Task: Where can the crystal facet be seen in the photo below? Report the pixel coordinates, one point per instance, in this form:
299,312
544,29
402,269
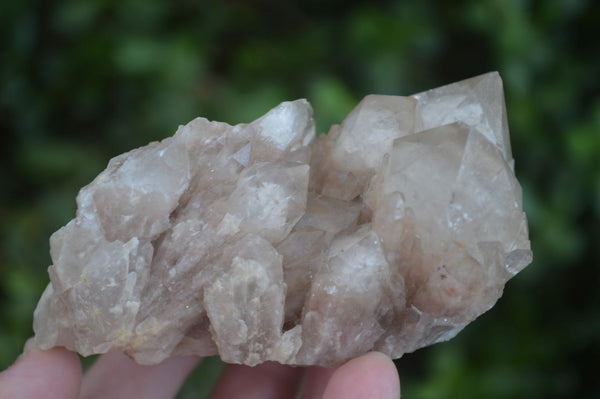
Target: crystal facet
263,242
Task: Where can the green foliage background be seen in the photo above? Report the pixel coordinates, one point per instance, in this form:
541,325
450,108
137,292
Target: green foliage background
82,81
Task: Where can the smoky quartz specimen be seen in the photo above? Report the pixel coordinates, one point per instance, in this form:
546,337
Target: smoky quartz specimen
264,242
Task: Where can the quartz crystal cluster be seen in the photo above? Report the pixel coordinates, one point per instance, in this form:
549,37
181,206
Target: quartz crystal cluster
263,241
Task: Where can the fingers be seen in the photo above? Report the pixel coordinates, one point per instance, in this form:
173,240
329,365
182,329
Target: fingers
373,375
57,374
116,376
266,381
316,381
52,374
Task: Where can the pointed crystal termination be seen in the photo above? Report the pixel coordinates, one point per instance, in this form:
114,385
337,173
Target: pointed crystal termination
261,242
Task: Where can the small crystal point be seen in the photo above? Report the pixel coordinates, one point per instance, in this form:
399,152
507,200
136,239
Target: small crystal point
477,102
261,242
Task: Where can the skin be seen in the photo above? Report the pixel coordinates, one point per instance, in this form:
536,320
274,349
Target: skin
56,373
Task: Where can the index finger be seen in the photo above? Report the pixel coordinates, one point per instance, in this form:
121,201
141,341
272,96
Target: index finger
51,374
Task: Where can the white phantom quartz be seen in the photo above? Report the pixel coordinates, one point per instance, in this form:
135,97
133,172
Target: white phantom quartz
262,241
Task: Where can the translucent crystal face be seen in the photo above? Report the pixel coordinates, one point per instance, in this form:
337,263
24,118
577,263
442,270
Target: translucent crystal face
261,242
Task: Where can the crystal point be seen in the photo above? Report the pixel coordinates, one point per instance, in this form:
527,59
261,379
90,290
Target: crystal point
263,242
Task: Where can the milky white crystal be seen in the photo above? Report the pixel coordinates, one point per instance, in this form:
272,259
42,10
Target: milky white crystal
261,242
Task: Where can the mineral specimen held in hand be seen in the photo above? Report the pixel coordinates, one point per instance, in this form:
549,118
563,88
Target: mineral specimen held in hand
261,242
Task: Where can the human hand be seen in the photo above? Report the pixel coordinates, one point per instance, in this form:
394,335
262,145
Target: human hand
57,374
